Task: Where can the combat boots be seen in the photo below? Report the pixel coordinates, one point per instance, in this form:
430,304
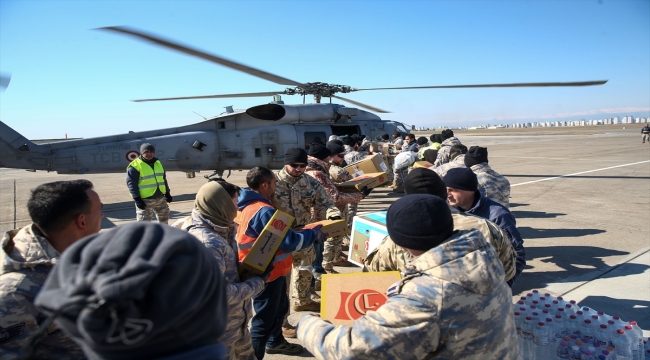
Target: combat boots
312,306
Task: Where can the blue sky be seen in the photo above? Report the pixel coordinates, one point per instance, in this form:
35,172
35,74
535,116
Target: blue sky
69,79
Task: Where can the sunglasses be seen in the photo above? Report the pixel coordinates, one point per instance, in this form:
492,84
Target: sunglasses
298,166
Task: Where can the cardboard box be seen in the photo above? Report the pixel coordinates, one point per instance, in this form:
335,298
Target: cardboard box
367,233
422,164
371,164
331,228
371,180
347,297
266,245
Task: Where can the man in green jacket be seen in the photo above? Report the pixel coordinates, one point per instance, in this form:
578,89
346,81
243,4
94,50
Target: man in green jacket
147,183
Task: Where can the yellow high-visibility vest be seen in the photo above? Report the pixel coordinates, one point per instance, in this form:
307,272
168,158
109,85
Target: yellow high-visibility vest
150,179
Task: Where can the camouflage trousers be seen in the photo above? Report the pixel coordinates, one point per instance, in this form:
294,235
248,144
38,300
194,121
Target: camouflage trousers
332,252
301,276
352,211
157,205
390,160
238,342
399,176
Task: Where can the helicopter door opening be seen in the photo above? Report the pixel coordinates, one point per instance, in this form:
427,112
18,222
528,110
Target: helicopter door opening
314,136
346,130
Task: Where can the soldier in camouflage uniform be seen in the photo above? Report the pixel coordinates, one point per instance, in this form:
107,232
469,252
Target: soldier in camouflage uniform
212,222
351,153
490,183
364,147
448,141
297,194
457,156
63,212
452,303
390,257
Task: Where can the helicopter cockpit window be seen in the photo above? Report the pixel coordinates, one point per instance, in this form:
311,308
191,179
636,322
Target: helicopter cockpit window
311,137
401,128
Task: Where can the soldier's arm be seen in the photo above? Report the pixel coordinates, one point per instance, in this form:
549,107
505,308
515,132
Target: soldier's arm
339,197
18,322
132,178
504,249
292,241
507,223
404,328
324,201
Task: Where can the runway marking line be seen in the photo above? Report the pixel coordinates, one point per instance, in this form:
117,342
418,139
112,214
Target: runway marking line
578,173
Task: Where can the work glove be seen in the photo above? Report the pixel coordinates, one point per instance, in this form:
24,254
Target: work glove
334,218
320,236
140,203
168,197
267,273
365,191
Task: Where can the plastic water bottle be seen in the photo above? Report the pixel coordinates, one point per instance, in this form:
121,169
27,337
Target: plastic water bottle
647,354
574,305
560,311
518,322
634,341
623,345
605,355
588,355
604,317
573,326
588,310
536,295
562,351
602,335
552,340
596,320
569,310
535,316
559,327
581,315
526,338
587,330
639,335
529,299
575,353
540,340
618,322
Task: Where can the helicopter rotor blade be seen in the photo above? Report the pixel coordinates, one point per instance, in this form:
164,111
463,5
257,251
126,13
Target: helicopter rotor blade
202,54
542,84
4,81
371,108
269,93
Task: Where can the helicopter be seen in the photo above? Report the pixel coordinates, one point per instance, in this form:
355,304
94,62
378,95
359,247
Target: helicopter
233,140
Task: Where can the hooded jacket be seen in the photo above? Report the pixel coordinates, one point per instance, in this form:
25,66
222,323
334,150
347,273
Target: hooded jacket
27,258
452,303
319,170
445,148
500,215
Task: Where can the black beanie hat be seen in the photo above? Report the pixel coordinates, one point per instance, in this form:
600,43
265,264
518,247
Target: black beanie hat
476,155
319,151
419,222
425,181
335,148
138,291
432,138
349,141
438,138
422,140
461,178
295,155
147,147
385,136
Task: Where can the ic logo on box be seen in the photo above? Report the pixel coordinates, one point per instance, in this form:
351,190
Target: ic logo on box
279,225
353,306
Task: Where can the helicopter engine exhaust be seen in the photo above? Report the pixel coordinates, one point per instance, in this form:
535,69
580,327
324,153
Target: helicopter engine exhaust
305,113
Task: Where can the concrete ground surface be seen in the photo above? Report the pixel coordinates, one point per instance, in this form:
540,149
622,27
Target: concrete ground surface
587,235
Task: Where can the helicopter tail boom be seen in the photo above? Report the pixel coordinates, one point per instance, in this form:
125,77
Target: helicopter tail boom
14,149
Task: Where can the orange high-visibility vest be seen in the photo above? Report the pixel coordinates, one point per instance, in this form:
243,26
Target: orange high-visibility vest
283,261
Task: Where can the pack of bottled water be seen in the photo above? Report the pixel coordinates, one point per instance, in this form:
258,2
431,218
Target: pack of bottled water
552,328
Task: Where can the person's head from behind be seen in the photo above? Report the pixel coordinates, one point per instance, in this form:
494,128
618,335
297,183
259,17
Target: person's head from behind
385,137
338,152
422,141
350,142
419,222
148,291
65,211
262,181
456,150
476,155
424,181
396,134
320,152
462,185
446,134
217,202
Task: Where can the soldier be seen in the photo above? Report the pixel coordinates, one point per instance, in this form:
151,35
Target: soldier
318,168
212,222
645,133
439,309
398,141
390,257
298,194
147,183
463,194
62,213
449,140
139,291
491,184
255,212
457,159
364,146
351,153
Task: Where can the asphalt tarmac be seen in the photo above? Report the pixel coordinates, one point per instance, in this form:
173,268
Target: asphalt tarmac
581,200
